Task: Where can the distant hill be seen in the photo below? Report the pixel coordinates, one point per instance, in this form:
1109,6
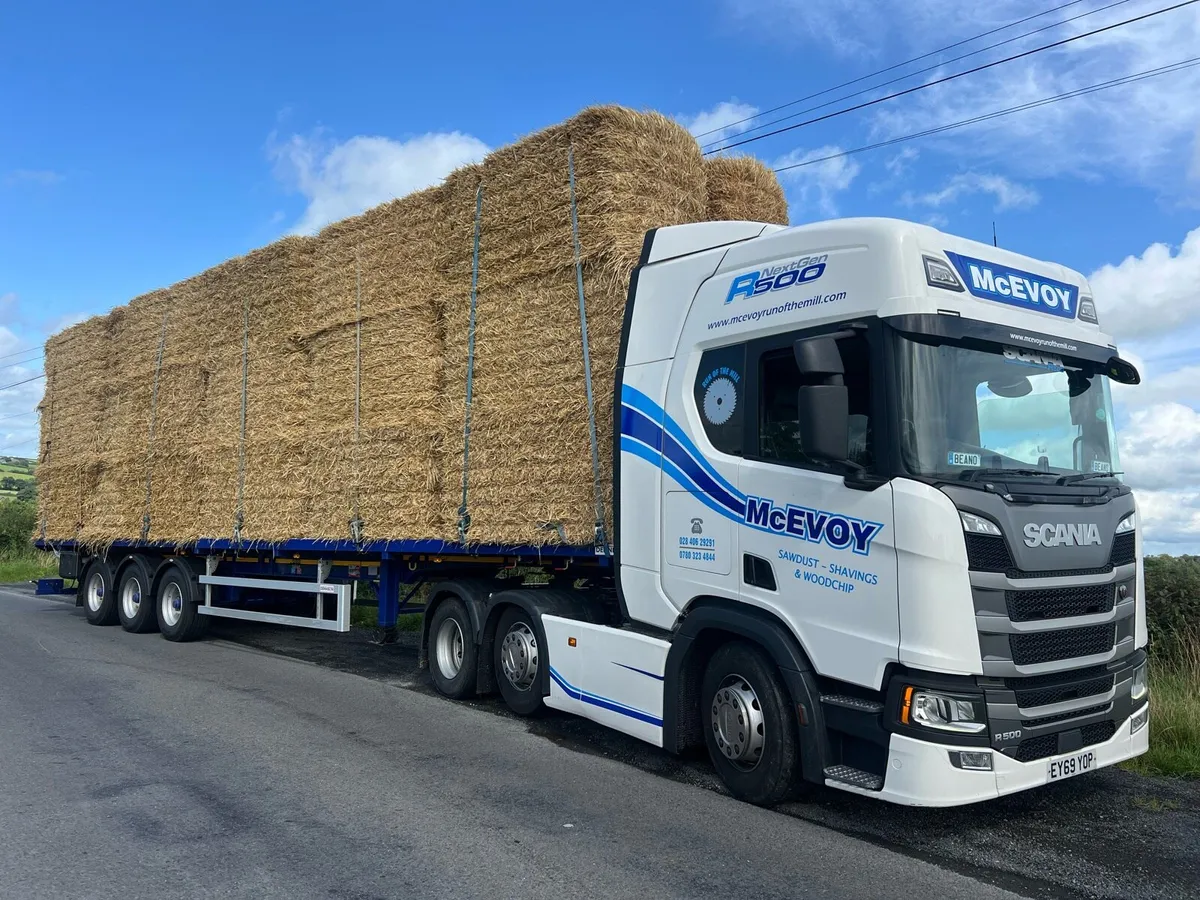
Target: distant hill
15,471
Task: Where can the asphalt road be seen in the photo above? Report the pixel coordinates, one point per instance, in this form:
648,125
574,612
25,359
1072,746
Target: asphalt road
132,767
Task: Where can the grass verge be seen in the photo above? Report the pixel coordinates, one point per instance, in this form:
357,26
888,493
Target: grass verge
1174,711
27,566
368,617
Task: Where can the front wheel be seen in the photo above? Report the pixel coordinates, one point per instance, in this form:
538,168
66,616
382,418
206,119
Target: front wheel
751,732
518,662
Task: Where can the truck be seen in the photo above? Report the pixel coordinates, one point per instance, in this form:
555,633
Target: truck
869,530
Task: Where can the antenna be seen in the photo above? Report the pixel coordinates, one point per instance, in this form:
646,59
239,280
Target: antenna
994,244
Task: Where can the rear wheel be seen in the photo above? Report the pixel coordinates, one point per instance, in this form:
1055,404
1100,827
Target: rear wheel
135,603
176,604
99,598
518,662
751,732
453,653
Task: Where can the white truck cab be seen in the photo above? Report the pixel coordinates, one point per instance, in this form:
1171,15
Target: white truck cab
870,530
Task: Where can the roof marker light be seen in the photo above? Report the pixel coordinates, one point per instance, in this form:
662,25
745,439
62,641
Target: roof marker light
939,274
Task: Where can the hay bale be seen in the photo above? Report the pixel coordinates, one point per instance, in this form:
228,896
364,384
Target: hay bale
740,188
378,304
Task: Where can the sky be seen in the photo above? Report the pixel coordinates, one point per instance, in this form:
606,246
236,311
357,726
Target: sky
141,143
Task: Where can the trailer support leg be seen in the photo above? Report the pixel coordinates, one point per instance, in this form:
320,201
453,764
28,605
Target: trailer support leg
391,575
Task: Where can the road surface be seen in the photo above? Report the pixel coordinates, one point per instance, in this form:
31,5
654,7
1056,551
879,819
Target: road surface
133,767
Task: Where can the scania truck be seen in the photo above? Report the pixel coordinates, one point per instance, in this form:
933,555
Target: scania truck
869,530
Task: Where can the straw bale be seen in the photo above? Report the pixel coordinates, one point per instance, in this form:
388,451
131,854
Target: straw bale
634,171
740,188
377,306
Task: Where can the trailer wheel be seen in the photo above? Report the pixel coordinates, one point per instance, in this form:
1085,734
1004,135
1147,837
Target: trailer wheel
135,603
518,662
178,618
453,653
750,730
99,598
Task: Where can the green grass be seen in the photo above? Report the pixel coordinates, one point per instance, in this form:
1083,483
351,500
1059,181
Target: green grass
368,617
27,566
1174,711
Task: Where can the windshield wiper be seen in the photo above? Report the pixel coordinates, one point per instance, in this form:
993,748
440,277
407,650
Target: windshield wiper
975,474
1084,476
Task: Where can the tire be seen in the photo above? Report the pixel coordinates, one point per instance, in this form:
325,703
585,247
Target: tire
453,653
99,598
135,602
175,604
518,662
749,728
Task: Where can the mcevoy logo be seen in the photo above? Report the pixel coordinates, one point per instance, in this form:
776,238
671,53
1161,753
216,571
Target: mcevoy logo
1047,535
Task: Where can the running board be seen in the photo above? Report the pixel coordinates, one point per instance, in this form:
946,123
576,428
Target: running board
854,778
340,592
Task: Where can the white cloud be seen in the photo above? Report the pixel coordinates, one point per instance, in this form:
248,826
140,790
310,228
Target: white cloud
1153,294
722,121
340,180
1144,131
1008,194
899,164
42,177
813,188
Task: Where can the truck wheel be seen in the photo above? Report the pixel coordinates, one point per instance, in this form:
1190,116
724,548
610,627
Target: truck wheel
750,730
99,598
135,604
178,618
453,653
517,662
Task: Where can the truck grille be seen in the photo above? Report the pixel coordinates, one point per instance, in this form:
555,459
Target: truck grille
1030,693
1047,745
1059,603
987,553
1066,643
1063,717
1123,549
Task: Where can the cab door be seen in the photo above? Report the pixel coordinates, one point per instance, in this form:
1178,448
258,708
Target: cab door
818,553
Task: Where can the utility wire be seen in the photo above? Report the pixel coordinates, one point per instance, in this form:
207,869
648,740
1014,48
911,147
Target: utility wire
22,362
937,81
1045,101
907,62
15,446
17,415
19,383
20,352
927,69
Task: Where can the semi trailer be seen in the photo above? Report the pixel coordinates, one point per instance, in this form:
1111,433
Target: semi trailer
868,530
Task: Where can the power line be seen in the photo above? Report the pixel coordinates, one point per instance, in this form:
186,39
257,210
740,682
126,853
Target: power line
905,77
844,84
22,362
1045,101
19,383
19,352
15,446
17,415
937,81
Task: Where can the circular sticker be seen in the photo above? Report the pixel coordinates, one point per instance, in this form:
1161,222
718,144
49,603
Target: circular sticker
1100,414
720,400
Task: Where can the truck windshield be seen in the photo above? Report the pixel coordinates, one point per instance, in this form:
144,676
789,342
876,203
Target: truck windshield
968,407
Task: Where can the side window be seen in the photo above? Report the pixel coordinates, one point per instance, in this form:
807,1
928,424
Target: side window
778,418
720,395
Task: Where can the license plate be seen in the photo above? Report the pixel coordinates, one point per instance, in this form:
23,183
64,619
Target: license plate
1071,765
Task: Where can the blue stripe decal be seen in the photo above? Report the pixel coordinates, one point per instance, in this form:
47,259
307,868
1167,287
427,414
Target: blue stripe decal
639,671
639,401
699,477
603,702
628,445
636,425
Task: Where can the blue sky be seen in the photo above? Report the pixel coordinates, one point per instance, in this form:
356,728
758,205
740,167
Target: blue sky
144,142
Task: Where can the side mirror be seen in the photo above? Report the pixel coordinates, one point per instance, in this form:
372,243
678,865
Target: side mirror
822,410
1123,371
823,414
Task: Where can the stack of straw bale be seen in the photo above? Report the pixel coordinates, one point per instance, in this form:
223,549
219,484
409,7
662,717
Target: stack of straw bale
346,355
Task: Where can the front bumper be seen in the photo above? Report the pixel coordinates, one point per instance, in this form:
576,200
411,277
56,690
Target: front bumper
919,773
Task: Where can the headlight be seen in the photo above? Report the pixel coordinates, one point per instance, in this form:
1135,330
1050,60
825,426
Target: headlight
1139,688
974,524
939,274
945,712
1127,524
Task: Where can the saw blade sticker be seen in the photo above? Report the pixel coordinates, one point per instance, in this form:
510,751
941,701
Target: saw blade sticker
720,400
